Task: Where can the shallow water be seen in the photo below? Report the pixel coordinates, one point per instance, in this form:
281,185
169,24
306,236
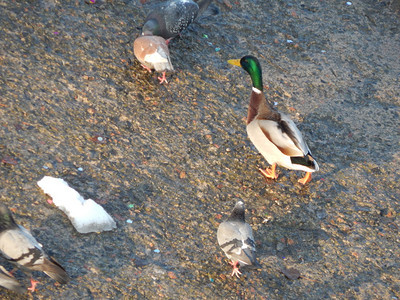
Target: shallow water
176,157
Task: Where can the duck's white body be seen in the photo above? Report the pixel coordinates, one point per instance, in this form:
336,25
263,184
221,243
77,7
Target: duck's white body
277,138
276,146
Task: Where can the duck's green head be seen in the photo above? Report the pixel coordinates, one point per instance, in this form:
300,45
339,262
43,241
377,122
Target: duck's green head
252,66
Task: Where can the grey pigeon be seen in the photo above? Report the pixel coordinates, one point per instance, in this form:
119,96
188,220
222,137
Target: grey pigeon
172,17
10,282
18,246
236,239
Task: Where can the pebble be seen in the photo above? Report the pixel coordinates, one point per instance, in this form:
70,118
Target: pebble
280,246
321,214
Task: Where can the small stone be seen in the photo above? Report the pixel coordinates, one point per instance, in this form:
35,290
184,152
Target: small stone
280,246
321,214
171,275
291,273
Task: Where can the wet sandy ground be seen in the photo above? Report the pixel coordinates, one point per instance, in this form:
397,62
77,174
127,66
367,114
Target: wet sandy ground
175,158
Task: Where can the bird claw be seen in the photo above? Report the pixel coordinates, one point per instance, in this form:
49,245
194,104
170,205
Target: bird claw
305,179
146,68
163,78
33,287
235,270
269,173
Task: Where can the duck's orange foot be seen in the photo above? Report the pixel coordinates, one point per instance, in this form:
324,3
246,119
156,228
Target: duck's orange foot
33,287
269,173
235,271
163,78
305,179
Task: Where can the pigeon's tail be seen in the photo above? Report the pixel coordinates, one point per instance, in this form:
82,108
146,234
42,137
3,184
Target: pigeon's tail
203,4
163,63
52,268
11,283
255,265
207,12
163,66
247,257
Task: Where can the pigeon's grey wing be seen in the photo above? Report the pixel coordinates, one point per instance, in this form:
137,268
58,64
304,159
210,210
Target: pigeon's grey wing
19,246
44,263
246,233
10,283
229,238
249,245
226,233
236,240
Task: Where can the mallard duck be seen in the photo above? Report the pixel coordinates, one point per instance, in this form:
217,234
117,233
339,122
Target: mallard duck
18,246
273,133
172,17
152,52
235,237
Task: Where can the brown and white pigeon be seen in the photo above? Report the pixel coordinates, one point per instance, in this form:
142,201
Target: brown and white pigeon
9,282
153,53
18,246
235,237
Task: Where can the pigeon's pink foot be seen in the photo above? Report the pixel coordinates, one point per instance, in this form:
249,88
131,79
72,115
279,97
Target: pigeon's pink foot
163,78
33,287
235,271
148,69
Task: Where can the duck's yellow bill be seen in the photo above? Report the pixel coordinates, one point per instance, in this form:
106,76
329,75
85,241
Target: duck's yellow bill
235,62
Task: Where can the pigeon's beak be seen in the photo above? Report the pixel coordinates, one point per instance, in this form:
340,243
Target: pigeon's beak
235,62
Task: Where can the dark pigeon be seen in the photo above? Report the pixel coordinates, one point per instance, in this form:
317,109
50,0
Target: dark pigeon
10,282
18,246
170,18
